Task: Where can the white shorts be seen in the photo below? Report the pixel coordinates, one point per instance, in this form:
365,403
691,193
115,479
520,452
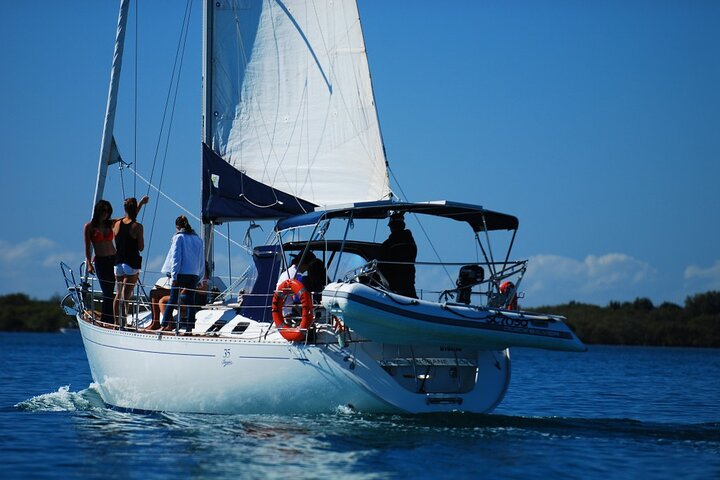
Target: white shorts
125,270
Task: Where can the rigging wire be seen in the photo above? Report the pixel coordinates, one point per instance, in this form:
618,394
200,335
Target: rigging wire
179,50
427,237
175,79
135,123
184,209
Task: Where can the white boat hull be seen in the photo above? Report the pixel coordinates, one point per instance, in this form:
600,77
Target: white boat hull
260,372
390,318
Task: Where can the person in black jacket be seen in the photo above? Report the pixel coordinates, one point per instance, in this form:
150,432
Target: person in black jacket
397,257
314,275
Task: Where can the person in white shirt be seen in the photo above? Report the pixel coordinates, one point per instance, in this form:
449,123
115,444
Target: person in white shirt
185,265
291,272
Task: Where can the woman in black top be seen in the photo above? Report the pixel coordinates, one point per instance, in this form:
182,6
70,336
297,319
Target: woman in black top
129,242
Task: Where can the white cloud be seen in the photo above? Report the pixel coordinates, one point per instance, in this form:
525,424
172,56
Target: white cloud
596,279
24,250
554,279
72,259
703,279
32,266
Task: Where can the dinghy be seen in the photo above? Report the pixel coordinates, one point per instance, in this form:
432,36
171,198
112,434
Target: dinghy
390,318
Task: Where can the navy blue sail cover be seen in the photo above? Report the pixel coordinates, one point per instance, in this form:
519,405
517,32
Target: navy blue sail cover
257,304
228,194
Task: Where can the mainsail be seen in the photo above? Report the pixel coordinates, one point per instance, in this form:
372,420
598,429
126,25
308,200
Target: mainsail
292,119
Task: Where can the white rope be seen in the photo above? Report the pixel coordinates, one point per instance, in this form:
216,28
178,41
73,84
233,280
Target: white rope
199,220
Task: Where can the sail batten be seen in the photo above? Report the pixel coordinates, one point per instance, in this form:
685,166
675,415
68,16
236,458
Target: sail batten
292,104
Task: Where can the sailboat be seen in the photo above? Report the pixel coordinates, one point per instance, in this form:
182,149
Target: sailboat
291,134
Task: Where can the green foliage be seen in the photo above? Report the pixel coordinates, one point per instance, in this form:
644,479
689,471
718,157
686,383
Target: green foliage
18,312
641,323
703,304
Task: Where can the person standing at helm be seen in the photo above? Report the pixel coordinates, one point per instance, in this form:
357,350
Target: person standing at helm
315,274
397,257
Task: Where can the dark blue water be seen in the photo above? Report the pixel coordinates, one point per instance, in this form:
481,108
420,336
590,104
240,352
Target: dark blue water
613,412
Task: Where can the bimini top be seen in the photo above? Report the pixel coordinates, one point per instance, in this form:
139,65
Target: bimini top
476,216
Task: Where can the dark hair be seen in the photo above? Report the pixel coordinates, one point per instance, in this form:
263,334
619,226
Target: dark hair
131,208
182,223
396,224
397,219
101,207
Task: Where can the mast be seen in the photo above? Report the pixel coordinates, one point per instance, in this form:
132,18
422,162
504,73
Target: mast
207,231
107,143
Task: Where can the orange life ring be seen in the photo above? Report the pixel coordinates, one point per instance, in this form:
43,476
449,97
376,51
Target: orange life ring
294,334
504,289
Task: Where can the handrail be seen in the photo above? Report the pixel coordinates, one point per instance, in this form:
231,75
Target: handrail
71,284
510,269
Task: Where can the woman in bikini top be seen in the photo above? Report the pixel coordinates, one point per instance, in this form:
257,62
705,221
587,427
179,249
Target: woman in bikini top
99,235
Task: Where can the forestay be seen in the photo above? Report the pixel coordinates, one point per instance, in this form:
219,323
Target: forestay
292,110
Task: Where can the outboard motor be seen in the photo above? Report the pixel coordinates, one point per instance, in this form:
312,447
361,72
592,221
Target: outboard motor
469,276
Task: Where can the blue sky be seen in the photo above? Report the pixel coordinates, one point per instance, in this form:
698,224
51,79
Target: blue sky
596,123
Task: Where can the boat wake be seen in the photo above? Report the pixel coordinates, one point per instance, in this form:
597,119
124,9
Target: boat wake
89,400
350,427
64,400
463,425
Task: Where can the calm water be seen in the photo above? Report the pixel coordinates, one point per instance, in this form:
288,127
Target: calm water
613,412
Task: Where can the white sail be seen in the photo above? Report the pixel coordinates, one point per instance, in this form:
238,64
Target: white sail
292,100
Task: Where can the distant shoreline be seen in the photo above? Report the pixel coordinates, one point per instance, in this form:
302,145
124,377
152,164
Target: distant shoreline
637,323
696,324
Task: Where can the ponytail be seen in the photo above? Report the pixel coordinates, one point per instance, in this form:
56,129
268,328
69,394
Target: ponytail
131,208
